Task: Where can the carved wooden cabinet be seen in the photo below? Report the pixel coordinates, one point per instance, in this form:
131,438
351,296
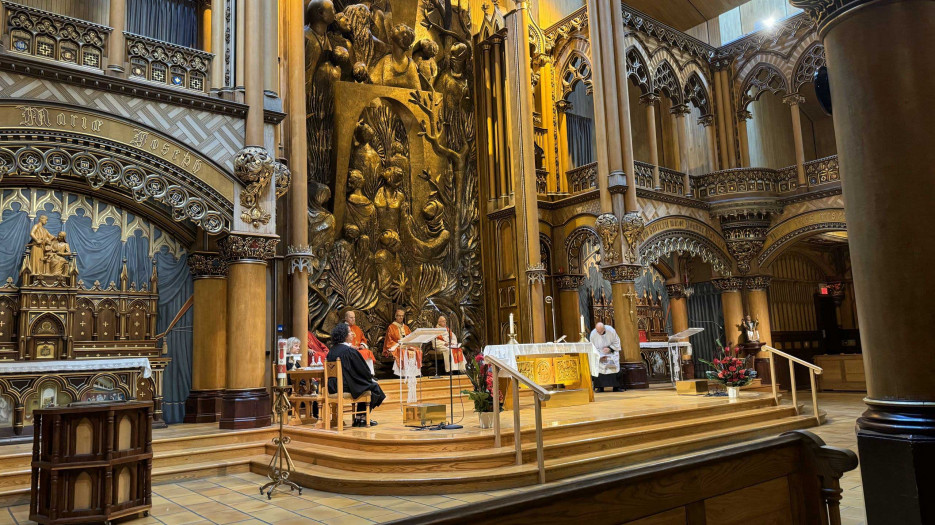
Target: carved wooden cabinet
91,462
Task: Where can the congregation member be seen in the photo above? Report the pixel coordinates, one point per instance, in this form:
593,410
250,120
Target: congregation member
606,343
358,340
293,353
357,377
442,345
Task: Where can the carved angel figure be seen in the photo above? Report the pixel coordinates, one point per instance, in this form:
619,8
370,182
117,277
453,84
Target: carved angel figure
397,69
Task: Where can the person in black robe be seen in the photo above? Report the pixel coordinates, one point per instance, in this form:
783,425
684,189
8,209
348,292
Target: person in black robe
356,373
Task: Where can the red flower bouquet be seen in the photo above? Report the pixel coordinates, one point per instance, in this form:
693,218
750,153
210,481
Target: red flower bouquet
730,369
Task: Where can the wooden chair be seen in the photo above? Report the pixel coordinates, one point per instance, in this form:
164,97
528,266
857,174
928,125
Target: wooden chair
342,398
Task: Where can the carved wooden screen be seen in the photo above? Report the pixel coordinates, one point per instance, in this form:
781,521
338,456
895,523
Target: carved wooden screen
107,321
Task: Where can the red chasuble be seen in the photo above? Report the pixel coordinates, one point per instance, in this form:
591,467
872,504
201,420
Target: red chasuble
360,341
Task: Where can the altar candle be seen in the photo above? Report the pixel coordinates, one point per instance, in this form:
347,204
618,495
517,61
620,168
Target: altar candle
281,359
582,324
511,324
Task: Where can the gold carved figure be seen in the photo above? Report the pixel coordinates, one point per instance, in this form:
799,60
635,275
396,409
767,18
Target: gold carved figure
398,69
41,243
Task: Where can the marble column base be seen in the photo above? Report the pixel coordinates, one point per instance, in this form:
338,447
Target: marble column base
897,452
250,408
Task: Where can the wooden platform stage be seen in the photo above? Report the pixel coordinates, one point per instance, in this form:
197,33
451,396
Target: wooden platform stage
618,429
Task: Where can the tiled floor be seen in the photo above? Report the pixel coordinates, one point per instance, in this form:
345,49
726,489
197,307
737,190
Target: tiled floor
236,499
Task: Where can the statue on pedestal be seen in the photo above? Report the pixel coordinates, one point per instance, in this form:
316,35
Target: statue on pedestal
749,330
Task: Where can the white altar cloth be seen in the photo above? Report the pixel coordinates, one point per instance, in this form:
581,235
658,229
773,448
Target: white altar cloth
77,365
508,353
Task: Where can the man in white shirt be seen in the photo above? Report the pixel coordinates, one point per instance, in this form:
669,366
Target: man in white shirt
607,346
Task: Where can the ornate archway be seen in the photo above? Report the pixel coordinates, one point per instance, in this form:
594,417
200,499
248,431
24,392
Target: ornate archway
680,234
787,232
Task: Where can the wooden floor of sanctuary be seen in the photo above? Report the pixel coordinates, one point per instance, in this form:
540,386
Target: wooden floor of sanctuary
616,430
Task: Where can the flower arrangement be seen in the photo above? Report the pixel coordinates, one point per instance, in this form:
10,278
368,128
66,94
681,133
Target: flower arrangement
730,369
481,377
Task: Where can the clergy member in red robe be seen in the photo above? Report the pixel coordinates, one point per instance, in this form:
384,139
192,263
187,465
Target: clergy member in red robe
358,340
317,351
391,347
441,344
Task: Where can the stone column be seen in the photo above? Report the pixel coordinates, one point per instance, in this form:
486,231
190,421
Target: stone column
711,135
253,80
205,38
721,108
239,46
298,258
606,134
571,308
880,51
649,100
246,402
679,111
218,28
726,96
116,43
209,337
742,117
678,305
623,292
793,101
731,306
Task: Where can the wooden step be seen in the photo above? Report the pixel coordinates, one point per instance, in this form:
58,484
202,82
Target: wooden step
492,457
453,481
429,443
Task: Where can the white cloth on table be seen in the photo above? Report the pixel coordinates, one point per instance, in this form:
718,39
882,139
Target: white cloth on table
607,362
410,372
508,353
79,365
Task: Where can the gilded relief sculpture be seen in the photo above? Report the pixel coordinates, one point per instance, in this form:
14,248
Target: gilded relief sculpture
402,228
49,260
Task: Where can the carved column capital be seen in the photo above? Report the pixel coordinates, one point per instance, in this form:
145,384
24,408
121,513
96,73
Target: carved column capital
675,291
649,99
207,265
608,228
823,12
743,114
680,110
569,281
728,284
238,247
793,99
706,120
622,273
536,274
254,167
299,259
757,282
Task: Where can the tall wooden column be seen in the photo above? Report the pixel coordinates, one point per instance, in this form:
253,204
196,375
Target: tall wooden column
678,112
711,136
649,100
218,27
253,80
879,53
571,307
293,14
678,305
209,337
246,402
523,170
116,43
742,117
794,100
622,278
731,306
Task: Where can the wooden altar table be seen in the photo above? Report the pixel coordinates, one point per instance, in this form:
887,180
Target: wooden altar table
564,368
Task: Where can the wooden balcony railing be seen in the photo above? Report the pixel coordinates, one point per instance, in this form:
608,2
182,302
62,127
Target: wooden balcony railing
582,178
168,64
55,37
822,171
672,182
644,174
746,180
542,183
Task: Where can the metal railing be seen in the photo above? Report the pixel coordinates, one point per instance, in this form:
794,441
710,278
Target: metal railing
539,394
813,370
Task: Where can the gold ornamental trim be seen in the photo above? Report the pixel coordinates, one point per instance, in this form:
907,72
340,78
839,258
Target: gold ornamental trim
35,115
807,223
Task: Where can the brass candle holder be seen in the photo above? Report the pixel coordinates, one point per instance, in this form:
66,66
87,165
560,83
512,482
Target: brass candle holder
281,465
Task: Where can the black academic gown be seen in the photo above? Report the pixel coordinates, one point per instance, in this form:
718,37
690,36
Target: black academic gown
357,378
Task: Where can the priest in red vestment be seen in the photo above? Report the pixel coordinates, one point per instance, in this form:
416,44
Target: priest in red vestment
391,347
357,339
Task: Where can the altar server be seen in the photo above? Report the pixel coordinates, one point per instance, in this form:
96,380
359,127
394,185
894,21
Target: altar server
357,339
357,377
441,345
607,345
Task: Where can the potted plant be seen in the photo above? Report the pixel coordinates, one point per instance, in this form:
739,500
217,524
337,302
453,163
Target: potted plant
482,379
730,370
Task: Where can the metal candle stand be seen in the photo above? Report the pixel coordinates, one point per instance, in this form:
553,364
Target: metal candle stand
281,465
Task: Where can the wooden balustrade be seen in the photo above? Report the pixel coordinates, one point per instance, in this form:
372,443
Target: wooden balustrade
168,64
55,37
582,178
539,395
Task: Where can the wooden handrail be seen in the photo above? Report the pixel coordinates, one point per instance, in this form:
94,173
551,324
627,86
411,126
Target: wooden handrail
813,370
541,395
802,362
541,392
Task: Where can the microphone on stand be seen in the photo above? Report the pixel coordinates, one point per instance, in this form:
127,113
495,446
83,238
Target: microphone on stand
451,395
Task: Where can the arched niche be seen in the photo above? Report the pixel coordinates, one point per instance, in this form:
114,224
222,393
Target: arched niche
769,131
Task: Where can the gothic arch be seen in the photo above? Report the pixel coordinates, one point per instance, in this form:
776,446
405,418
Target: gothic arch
785,234
577,68
764,77
665,80
666,242
573,246
638,70
696,93
807,64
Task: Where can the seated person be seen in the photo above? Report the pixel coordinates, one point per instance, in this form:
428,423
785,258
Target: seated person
441,345
293,353
606,343
356,374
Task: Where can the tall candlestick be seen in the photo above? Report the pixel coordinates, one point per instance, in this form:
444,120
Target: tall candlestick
511,324
582,324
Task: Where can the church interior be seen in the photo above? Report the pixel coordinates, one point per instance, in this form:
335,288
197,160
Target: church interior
479,261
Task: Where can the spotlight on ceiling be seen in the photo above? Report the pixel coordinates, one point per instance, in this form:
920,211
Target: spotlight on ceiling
769,22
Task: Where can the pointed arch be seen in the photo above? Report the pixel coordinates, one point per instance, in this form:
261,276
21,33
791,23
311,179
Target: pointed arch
812,59
696,93
666,81
762,78
638,70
